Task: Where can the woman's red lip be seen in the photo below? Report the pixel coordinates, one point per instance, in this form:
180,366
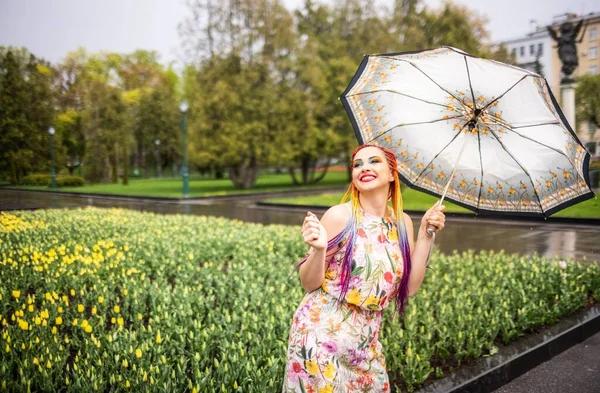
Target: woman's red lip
362,178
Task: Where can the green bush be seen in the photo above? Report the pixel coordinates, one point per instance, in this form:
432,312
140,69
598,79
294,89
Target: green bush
69,181
40,179
37,179
94,299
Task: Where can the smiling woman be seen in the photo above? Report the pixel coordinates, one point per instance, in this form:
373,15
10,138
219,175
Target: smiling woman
361,256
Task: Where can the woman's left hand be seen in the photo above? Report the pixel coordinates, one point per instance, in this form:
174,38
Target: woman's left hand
434,218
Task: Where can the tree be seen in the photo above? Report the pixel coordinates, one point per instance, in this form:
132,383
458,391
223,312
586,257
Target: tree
26,102
455,25
587,100
69,132
233,94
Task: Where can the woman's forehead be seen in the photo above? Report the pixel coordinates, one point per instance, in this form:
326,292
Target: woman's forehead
369,151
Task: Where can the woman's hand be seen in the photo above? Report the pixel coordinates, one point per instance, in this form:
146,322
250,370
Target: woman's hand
313,232
433,219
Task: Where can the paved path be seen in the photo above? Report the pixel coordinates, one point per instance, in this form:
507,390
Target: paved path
576,370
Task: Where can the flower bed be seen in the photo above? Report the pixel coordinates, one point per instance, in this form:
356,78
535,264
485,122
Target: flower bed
94,299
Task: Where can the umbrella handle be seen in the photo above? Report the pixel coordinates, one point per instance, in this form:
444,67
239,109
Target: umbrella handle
430,228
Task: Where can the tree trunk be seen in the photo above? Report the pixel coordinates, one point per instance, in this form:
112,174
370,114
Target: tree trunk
244,175
292,172
13,171
125,167
322,175
348,167
305,166
115,173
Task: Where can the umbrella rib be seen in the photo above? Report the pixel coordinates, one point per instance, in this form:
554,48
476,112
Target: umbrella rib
533,140
414,124
470,84
480,167
440,152
503,94
536,125
396,92
422,72
542,144
520,166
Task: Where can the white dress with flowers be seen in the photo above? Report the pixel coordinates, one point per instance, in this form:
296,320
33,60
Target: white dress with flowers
334,347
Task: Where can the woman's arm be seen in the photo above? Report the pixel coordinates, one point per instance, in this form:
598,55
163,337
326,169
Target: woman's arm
419,252
317,234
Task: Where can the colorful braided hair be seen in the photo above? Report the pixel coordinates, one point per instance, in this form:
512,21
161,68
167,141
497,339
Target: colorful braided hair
349,233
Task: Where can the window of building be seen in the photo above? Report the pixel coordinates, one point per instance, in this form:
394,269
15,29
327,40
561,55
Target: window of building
522,51
540,49
532,50
593,70
593,34
514,52
593,52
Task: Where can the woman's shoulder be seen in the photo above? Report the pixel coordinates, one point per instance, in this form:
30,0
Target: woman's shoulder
338,215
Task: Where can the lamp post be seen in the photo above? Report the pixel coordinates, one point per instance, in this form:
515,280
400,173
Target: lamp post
183,108
157,143
53,172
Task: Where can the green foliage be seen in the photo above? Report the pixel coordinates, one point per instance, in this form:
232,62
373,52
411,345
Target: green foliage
36,179
69,181
25,113
111,299
42,179
116,106
587,100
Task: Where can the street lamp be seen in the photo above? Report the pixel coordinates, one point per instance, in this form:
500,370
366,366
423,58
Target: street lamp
183,108
53,172
157,143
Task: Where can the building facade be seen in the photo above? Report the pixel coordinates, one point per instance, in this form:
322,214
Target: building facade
537,50
588,53
533,51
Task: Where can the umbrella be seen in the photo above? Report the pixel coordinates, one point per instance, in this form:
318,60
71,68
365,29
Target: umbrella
486,135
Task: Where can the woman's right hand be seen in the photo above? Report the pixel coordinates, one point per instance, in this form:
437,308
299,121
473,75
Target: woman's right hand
313,232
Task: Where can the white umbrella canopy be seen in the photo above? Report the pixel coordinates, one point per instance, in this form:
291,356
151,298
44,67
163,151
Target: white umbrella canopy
486,135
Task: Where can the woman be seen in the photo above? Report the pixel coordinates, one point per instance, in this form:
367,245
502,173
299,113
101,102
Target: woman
361,256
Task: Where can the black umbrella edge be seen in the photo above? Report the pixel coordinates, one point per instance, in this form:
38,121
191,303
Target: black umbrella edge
486,212
344,100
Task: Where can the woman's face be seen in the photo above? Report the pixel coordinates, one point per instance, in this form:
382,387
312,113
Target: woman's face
370,170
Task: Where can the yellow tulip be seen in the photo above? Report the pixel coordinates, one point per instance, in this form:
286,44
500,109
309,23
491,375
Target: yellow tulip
312,367
326,389
329,371
353,297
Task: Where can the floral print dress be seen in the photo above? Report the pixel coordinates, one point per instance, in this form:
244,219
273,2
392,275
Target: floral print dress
333,347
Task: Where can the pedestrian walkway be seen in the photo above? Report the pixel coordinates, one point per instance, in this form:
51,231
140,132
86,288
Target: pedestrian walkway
576,370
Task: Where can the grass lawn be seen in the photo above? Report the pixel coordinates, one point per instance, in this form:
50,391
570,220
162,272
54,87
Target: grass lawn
415,200
172,187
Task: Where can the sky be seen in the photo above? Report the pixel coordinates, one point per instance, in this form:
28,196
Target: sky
52,28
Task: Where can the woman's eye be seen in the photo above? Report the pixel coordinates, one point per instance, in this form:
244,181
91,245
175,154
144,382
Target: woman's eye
357,164
375,160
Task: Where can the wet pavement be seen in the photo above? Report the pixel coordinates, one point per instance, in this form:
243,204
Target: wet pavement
524,237
577,370
562,357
